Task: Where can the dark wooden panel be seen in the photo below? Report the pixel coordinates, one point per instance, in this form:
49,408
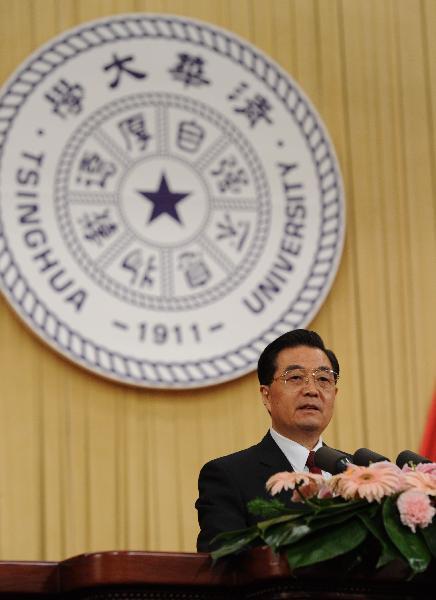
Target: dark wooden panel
258,575
40,578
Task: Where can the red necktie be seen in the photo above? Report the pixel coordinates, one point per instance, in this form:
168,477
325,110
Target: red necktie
310,463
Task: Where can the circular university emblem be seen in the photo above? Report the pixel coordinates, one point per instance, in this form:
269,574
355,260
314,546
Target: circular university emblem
169,200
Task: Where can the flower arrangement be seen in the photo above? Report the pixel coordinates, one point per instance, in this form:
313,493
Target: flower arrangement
379,510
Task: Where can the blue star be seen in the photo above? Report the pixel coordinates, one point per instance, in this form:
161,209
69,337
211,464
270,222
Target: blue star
164,201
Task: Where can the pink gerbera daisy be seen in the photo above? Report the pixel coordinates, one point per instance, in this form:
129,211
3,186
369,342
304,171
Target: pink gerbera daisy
370,483
309,483
429,468
420,481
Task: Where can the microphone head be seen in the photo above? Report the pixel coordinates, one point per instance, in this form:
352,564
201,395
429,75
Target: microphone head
331,460
363,457
407,456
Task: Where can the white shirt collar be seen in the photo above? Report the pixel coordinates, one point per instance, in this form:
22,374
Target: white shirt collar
294,452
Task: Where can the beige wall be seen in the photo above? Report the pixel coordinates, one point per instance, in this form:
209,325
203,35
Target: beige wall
89,465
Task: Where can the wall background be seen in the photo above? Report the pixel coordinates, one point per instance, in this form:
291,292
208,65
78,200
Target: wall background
89,465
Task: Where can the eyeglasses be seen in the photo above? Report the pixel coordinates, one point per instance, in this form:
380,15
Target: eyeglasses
325,379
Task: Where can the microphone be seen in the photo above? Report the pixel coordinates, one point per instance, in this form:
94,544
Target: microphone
363,457
407,456
331,460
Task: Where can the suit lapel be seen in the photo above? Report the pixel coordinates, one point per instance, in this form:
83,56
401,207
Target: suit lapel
271,458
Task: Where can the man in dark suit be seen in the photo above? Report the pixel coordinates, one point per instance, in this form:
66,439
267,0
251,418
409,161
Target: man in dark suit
297,376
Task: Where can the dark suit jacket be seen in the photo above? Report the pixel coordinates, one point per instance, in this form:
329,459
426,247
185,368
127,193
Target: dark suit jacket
226,485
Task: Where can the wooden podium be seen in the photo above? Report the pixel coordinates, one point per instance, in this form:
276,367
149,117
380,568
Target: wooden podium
257,575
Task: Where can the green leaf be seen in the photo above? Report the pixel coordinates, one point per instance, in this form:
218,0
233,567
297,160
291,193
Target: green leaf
263,525
233,541
429,535
282,535
373,521
334,519
288,529
265,508
281,532
410,544
332,542
329,511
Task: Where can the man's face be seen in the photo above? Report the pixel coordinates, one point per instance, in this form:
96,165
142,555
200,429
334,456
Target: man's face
300,413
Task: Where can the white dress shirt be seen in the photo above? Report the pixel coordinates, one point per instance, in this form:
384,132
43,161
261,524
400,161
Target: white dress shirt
295,453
